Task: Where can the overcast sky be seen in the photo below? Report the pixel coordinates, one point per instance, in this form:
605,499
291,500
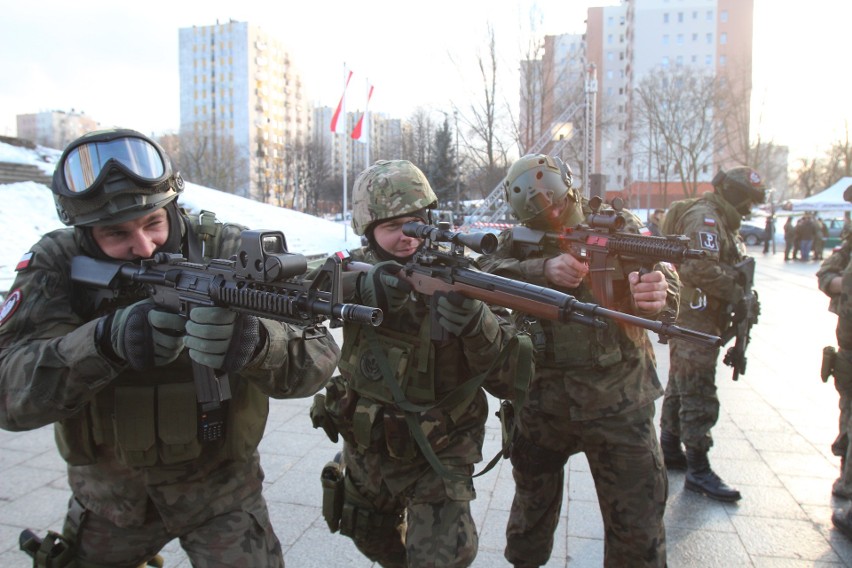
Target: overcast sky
118,61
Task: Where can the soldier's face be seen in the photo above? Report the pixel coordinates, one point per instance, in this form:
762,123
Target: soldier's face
390,237
134,239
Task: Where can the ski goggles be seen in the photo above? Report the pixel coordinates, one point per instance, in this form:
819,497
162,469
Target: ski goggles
86,165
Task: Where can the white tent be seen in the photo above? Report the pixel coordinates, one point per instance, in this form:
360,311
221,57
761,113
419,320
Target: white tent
829,199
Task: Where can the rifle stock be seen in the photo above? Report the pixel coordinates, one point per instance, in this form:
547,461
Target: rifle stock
431,271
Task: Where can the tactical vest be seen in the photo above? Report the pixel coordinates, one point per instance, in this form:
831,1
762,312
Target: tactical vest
152,418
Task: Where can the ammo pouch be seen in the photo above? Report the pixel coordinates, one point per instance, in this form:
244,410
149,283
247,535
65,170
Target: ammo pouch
332,492
320,418
158,424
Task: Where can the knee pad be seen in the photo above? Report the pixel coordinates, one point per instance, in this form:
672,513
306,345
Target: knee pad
530,458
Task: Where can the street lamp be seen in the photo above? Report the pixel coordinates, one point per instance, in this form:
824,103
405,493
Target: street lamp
458,169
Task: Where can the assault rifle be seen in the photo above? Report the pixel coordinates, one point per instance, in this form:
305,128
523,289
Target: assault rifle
262,279
600,241
444,269
743,318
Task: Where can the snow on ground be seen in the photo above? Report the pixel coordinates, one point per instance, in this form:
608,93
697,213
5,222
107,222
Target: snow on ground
28,211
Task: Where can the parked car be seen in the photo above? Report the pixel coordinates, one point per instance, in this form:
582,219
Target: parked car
834,227
752,234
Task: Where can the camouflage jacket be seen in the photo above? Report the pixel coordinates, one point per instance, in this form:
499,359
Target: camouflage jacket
454,431
710,284
839,264
582,372
52,372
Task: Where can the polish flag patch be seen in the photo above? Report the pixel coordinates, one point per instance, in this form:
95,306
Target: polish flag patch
709,222
10,305
25,261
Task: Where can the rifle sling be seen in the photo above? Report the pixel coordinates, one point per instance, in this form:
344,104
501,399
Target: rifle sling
461,394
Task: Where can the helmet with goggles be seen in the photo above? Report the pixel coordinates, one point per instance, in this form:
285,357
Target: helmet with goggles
111,176
535,183
742,187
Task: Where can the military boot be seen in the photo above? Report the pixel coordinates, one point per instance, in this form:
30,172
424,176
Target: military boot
672,451
701,479
841,520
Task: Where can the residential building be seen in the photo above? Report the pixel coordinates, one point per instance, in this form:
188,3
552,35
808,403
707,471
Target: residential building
54,128
624,45
241,97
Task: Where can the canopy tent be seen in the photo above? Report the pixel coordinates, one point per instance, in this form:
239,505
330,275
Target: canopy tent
829,199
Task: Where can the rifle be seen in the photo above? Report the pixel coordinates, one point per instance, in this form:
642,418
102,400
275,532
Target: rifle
260,280
600,241
433,269
743,317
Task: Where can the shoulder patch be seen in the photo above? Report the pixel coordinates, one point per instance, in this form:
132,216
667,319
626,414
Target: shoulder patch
709,241
25,261
10,305
709,222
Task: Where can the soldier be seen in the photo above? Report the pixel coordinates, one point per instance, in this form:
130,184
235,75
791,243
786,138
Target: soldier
117,380
834,278
409,408
710,287
593,391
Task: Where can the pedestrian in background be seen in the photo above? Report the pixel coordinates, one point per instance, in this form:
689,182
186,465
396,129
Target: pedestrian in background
789,239
769,234
656,221
805,232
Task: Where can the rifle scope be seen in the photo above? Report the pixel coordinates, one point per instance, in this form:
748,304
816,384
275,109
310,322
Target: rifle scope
483,243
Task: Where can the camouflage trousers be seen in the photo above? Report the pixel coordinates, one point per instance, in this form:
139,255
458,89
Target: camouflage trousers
841,447
427,525
627,467
242,537
691,405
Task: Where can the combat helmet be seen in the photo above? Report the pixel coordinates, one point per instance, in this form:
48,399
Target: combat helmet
536,183
742,187
108,177
387,189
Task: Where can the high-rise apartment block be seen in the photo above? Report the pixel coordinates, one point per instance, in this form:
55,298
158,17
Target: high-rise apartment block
622,46
241,94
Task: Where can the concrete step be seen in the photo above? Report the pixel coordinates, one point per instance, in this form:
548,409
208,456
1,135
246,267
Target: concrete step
12,172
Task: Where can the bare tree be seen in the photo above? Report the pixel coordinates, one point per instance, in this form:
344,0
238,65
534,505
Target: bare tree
212,161
677,110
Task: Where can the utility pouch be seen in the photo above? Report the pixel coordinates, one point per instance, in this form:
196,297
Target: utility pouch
320,418
134,426
332,492
829,359
53,551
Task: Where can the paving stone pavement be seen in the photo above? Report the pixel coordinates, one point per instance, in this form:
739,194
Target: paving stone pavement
772,442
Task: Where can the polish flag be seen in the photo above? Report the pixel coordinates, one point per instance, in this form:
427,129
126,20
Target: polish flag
356,132
340,105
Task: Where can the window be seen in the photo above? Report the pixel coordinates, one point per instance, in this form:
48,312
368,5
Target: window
680,17
665,39
723,16
710,38
709,15
679,60
694,37
708,60
665,61
665,17
680,39
723,60
723,38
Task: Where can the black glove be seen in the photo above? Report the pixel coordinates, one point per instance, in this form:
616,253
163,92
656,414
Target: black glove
460,315
380,288
222,339
143,336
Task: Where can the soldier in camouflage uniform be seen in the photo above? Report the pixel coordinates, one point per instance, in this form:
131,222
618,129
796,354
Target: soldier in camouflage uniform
710,288
410,408
834,278
117,381
594,389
